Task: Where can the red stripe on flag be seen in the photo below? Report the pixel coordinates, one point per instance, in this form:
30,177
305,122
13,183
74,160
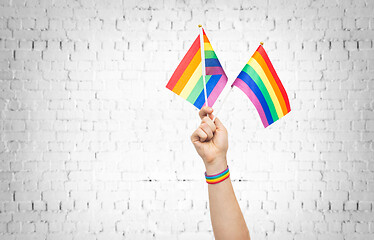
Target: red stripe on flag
206,40
183,64
261,50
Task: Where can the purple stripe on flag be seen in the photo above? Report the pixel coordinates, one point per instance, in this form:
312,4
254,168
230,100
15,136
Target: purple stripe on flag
214,71
217,90
244,87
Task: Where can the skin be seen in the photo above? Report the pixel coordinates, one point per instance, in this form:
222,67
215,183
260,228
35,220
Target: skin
211,143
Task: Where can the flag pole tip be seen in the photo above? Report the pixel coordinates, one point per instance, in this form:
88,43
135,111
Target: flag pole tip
199,25
262,43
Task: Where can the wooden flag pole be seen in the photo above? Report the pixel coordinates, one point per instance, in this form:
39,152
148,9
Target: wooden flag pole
203,62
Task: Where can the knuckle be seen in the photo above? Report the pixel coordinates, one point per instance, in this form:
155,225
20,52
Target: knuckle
208,120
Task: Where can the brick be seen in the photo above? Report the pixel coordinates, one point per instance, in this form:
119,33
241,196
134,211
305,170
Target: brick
27,196
364,206
82,195
351,205
362,216
60,13
330,195
54,196
30,12
6,196
26,34
361,196
55,55
335,176
6,54
363,12
52,35
83,56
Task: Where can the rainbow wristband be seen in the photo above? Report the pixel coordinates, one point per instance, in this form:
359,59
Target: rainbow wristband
217,178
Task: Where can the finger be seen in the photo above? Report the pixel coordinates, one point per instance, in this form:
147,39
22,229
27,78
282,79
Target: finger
219,124
199,136
205,127
210,123
204,111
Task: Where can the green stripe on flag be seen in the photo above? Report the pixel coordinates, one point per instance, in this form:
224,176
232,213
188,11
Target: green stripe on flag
197,89
210,54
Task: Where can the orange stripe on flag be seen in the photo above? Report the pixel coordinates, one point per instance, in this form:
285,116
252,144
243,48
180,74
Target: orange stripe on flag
205,38
188,73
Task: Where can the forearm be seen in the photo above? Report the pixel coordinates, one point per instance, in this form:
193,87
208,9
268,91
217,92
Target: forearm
227,219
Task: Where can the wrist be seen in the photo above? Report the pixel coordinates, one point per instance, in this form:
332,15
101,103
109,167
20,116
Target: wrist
219,177
216,166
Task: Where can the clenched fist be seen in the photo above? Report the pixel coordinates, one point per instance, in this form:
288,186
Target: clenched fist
210,141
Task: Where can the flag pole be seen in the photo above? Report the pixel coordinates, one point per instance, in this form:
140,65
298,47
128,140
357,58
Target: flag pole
203,62
223,101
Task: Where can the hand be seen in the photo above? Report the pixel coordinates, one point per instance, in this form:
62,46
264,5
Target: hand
210,141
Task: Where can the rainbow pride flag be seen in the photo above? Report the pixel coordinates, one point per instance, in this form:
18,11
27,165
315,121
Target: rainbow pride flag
259,81
187,79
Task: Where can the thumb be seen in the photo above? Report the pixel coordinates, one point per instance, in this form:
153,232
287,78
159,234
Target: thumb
219,124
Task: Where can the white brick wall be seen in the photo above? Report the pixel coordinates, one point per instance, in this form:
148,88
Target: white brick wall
93,146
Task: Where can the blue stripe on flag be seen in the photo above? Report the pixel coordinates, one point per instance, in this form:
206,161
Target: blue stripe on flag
212,62
256,90
209,88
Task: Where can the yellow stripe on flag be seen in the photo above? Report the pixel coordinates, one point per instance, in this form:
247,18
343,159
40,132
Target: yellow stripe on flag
207,47
191,83
254,64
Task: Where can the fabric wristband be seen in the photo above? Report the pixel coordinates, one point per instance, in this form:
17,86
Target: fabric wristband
219,177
